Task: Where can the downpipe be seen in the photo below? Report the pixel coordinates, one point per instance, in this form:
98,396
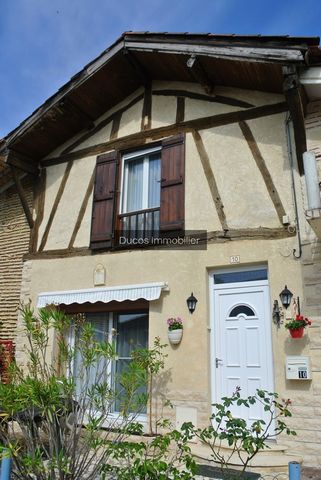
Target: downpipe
290,154
294,471
5,467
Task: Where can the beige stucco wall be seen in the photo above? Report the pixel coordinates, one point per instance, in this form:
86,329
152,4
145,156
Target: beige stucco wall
247,204
185,271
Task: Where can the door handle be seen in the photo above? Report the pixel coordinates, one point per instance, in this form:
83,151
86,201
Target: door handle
217,362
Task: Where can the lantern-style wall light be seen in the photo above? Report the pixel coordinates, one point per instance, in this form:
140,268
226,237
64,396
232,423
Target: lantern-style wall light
286,297
191,303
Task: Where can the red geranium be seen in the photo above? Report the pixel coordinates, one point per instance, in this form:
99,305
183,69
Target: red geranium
298,322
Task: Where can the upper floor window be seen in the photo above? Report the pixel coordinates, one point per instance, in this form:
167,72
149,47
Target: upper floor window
141,180
139,191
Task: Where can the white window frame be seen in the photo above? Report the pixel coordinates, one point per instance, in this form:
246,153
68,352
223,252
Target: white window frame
142,417
127,157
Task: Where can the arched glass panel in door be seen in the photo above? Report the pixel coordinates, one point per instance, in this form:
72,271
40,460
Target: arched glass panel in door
242,309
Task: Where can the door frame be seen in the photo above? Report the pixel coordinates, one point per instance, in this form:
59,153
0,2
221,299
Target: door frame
214,379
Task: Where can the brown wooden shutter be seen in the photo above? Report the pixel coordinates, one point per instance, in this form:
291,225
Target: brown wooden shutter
172,184
103,218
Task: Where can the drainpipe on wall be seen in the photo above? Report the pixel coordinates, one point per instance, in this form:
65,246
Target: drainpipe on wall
311,180
290,154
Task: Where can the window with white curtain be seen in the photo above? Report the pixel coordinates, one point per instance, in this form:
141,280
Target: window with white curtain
141,180
129,331
141,191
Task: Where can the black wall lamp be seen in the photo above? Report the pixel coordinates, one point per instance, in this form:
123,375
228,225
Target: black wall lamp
285,298
191,303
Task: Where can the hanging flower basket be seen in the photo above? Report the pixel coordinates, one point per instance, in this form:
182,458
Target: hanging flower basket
297,325
296,332
175,330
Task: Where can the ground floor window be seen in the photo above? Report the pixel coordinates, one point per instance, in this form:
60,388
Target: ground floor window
128,331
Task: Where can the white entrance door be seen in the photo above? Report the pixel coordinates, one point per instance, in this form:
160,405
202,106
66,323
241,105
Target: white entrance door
241,343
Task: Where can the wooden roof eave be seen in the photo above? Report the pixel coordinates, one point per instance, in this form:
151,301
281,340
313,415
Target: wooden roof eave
78,79
240,53
269,54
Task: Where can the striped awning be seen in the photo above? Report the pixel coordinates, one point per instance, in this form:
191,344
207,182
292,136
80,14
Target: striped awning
146,291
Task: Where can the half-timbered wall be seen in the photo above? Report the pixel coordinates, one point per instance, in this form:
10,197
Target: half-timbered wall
238,171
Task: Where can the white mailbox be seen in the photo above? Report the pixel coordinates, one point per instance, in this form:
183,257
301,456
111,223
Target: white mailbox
297,368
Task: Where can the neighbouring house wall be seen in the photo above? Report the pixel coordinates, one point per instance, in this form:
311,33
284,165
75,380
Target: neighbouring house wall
249,163
14,243
307,406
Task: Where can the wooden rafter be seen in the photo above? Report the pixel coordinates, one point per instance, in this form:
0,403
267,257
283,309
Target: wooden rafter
70,106
140,138
199,74
21,161
137,67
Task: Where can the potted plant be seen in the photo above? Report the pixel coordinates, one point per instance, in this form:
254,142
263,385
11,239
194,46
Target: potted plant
297,325
175,330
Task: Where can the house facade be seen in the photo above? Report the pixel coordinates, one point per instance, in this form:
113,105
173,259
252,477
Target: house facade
174,164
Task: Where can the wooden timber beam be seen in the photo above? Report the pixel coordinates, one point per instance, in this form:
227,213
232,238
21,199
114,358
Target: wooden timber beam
233,52
199,74
234,102
140,138
146,122
55,205
82,210
292,91
137,67
218,236
114,117
208,171
180,109
266,175
21,193
21,161
39,193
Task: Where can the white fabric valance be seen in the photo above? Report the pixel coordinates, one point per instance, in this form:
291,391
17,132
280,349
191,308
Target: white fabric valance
147,291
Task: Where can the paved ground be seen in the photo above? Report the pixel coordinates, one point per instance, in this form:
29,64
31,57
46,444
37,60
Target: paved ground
311,473
306,474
